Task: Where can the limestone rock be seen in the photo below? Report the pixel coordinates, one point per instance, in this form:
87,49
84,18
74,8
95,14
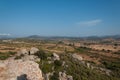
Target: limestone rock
78,57
14,69
30,58
56,57
23,51
64,76
33,50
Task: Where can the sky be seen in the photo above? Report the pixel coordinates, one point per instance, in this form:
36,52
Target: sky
59,17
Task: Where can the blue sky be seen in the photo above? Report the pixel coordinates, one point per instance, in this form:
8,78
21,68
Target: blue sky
59,17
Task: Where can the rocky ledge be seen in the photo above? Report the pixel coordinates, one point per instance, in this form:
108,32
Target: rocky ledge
19,70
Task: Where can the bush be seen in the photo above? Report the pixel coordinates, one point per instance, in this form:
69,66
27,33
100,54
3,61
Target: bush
114,66
41,54
6,55
57,63
47,68
55,76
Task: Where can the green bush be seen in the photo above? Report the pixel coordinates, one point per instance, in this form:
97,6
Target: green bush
41,54
55,76
58,63
5,55
47,68
114,66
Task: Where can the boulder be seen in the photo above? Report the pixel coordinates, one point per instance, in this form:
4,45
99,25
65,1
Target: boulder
33,50
19,69
64,76
23,51
56,57
30,58
78,57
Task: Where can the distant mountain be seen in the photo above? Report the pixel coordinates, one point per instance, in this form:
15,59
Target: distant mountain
78,38
112,36
4,37
34,36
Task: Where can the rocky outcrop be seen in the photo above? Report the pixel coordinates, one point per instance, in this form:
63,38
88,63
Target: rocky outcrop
56,57
27,55
19,69
30,58
64,76
22,51
78,57
33,50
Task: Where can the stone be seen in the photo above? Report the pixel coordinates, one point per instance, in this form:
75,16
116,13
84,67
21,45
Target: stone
33,50
30,58
16,69
64,76
88,65
63,64
23,51
56,57
78,57
47,76
70,77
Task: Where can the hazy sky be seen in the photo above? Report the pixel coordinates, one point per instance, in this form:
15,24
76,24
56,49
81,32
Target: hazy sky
59,17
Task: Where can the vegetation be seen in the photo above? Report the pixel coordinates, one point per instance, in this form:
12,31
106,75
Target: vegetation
46,67
57,65
82,49
78,71
43,64
81,72
114,66
41,54
5,55
54,76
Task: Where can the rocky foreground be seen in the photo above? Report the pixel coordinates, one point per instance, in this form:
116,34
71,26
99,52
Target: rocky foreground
20,70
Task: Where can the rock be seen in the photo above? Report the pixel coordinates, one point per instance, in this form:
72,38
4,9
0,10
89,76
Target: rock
70,77
23,51
19,69
56,57
88,65
3,69
49,62
49,58
33,50
78,57
63,76
47,76
30,58
63,64
106,71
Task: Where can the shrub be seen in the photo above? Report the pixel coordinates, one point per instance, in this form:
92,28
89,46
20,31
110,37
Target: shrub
47,68
6,55
41,54
57,63
55,76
